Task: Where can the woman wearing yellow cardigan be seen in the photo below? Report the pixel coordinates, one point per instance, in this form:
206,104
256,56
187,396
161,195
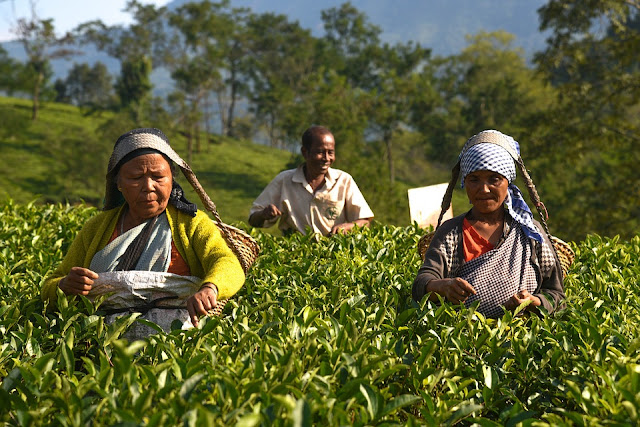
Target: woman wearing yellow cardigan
150,250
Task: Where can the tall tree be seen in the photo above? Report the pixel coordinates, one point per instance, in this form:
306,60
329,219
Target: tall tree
394,84
283,69
488,85
41,44
139,48
592,58
350,39
89,87
10,69
215,35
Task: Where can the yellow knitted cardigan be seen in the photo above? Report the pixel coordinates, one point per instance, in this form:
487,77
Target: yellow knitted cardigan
197,239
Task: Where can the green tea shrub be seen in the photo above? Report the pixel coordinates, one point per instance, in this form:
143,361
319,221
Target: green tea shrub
324,332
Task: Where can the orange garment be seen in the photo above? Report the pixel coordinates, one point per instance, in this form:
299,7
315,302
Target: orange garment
177,265
473,244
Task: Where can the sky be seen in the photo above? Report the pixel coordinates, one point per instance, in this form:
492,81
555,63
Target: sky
66,14
438,24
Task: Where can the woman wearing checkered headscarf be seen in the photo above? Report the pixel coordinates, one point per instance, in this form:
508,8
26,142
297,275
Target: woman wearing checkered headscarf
494,254
150,251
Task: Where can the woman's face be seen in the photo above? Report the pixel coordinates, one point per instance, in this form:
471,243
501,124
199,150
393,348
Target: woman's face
145,182
486,190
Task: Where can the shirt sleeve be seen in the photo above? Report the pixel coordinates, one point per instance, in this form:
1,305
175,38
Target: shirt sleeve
355,204
433,267
79,253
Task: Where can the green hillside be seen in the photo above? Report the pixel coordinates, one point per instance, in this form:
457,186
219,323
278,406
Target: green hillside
62,157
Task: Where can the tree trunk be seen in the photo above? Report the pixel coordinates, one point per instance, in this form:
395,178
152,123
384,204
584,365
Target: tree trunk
392,170
222,111
189,142
36,96
196,130
232,104
206,112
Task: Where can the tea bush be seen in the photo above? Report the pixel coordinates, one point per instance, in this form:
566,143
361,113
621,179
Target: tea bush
324,332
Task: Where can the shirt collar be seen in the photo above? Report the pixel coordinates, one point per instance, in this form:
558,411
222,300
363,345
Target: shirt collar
329,178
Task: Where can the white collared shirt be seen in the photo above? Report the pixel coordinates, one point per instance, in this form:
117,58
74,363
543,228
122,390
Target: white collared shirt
337,201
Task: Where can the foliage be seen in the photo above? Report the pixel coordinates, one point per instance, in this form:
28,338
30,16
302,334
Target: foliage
89,87
138,47
41,44
209,53
594,128
324,333
134,84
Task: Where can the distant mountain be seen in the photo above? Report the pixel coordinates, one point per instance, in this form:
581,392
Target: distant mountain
436,24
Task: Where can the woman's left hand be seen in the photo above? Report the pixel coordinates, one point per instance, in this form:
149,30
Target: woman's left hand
201,302
522,296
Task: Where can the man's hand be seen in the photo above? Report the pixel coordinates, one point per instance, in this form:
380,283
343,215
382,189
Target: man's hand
266,214
270,212
522,296
347,226
341,228
201,302
455,290
78,282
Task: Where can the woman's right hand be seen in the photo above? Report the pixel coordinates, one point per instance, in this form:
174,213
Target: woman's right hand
455,290
78,282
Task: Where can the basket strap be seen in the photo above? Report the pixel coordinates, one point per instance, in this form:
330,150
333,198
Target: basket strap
535,199
446,200
211,207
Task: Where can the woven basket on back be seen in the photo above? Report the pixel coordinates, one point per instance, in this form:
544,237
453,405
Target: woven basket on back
242,244
562,249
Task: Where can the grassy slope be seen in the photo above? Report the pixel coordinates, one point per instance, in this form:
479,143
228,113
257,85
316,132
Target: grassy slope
62,157
233,172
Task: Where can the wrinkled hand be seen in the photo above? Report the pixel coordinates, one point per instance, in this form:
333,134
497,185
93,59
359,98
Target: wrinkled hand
341,228
200,303
270,212
522,296
78,282
455,290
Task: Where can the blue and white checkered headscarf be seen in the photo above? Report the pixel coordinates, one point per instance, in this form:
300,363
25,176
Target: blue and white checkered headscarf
492,157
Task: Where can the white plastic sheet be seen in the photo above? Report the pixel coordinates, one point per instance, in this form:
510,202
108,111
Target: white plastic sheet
135,289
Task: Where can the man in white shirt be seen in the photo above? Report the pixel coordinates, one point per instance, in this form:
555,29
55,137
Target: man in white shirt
312,195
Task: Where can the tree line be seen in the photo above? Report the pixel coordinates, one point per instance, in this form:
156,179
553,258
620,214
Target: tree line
399,114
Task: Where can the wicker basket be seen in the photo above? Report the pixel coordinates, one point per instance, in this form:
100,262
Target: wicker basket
564,252
242,244
247,247
566,255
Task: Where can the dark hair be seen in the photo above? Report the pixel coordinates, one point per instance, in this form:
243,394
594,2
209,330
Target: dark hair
313,132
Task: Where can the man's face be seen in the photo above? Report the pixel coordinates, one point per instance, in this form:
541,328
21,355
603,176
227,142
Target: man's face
320,155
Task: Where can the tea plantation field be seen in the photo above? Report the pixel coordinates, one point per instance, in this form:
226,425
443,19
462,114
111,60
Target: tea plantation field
324,332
